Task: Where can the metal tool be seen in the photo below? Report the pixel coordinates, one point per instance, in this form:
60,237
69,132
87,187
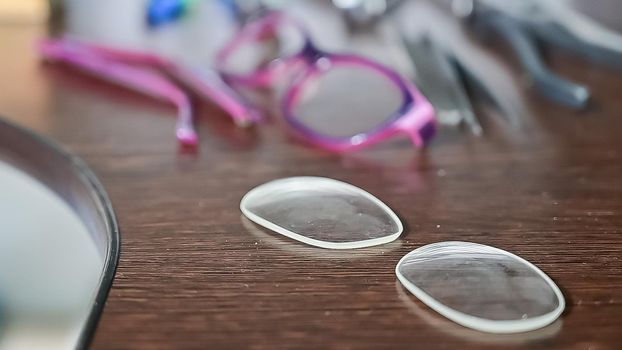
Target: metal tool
440,81
363,13
448,77
525,22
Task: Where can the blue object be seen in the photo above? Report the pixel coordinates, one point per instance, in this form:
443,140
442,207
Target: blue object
164,11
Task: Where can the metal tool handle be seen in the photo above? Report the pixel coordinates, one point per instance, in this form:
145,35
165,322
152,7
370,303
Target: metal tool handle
595,51
576,31
548,83
439,80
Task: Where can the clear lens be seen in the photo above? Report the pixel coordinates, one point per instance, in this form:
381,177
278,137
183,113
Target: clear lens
322,212
258,49
347,100
481,287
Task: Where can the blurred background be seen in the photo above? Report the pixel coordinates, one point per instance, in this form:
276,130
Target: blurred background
520,89
477,44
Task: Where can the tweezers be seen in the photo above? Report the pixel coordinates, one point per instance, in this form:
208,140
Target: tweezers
448,80
440,80
523,23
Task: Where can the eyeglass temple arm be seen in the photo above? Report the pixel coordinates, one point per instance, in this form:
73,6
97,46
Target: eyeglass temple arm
209,84
548,83
204,81
137,79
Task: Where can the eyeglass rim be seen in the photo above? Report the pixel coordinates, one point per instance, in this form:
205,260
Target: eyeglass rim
249,33
414,107
336,60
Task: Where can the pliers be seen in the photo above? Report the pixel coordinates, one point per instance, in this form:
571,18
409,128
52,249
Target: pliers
525,23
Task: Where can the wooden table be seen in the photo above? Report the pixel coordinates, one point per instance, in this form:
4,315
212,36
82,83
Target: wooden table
194,274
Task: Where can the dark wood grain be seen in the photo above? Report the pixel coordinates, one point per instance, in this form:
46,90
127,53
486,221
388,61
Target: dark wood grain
194,274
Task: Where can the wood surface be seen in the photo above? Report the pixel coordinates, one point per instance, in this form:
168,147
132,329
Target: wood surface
194,274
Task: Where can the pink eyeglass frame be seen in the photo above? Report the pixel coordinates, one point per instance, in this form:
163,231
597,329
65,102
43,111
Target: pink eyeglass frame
415,118
134,70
